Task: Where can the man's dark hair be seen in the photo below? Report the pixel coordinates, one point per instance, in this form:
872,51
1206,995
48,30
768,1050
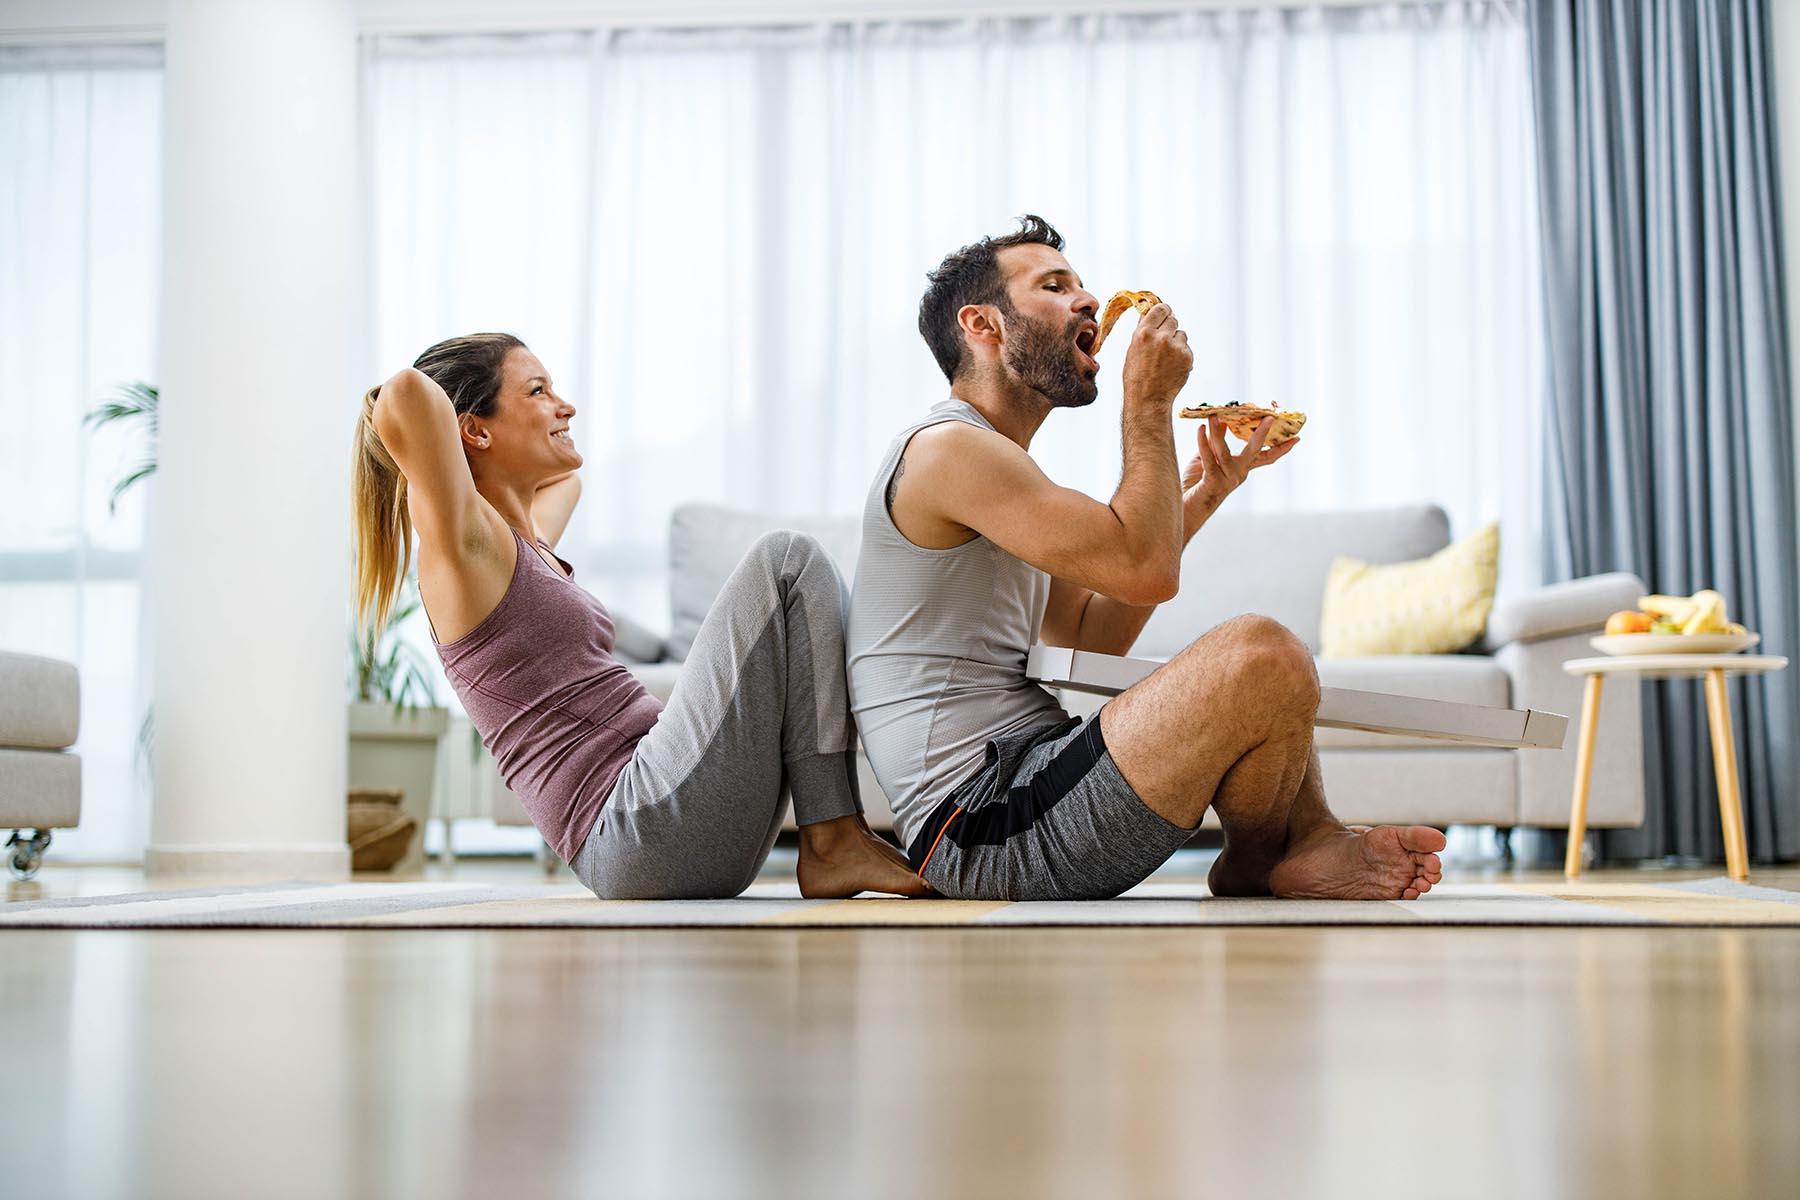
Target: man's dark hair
972,276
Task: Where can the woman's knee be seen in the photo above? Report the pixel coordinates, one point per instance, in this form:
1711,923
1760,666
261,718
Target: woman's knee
788,552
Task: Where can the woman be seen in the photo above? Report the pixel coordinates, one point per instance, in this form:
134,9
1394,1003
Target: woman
471,446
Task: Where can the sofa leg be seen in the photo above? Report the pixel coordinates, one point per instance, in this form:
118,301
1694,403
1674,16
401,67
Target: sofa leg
1503,845
26,854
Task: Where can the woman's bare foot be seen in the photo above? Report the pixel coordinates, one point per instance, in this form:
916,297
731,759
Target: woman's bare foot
1387,862
842,857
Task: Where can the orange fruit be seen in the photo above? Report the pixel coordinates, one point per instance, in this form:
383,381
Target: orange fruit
1630,621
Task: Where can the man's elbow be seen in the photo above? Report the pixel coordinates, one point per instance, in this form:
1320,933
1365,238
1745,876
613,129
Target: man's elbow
1146,588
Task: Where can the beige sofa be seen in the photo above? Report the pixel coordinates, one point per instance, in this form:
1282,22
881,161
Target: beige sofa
40,780
1276,564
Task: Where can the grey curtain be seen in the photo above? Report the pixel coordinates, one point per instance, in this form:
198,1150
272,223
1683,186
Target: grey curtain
1670,436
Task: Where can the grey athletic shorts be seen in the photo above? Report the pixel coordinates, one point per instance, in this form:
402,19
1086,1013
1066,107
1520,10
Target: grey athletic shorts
1047,816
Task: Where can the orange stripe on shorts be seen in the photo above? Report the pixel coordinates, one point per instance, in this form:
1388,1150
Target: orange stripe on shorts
939,838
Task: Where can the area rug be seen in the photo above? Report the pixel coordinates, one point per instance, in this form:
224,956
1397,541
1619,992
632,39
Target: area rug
453,905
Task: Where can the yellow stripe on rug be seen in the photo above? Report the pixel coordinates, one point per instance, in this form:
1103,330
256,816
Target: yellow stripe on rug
1666,904
874,911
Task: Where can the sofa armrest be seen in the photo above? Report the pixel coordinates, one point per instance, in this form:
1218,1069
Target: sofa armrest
636,643
1578,606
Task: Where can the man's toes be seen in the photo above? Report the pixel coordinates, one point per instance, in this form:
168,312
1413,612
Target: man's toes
1409,894
1422,839
1429,863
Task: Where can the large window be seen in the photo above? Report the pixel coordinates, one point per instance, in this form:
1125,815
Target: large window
717,241
81,219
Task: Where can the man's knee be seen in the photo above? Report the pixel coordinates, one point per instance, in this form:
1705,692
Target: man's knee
1269,657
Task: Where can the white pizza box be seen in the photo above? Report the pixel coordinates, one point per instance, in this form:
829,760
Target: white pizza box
1339,708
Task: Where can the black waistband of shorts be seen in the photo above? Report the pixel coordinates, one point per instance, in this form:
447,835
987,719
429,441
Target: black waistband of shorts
1021,806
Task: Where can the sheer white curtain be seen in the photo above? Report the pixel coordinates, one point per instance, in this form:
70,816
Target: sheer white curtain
717,241
81,223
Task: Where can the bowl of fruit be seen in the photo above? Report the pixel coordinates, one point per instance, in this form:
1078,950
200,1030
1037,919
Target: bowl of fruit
1675,625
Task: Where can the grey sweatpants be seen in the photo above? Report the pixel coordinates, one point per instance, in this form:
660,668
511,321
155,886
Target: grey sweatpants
761,710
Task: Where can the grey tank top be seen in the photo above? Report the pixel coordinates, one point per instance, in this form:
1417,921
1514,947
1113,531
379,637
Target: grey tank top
937,648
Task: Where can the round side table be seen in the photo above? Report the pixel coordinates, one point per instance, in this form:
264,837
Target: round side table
1714,668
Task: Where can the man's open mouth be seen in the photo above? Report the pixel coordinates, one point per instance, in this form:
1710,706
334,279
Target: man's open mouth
1084,346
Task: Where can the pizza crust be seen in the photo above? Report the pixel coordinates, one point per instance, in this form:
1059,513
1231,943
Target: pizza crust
1115,308
1242,420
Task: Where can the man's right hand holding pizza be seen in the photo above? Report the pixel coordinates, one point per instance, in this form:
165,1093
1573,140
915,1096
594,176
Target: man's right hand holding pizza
1157,364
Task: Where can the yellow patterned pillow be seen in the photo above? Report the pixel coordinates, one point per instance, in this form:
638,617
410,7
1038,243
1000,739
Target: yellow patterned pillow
1437,605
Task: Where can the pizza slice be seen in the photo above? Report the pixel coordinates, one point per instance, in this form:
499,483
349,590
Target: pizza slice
1115,308
1242,420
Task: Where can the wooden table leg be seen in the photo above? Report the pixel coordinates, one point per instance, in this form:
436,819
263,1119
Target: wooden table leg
1584,768
1724,748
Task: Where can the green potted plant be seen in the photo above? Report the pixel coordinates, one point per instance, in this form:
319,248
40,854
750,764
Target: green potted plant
133,404
395,720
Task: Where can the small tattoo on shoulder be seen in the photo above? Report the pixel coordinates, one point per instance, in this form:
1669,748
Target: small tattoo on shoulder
893,488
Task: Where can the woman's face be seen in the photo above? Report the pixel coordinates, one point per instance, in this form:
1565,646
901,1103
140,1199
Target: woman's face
528,434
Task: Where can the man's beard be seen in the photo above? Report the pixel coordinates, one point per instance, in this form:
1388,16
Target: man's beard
1042,357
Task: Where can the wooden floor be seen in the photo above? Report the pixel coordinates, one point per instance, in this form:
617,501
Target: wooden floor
1243,1062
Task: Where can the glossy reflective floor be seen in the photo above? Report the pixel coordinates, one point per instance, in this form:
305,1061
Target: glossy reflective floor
1034,1063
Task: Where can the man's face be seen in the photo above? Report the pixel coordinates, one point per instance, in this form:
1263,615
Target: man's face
1052,320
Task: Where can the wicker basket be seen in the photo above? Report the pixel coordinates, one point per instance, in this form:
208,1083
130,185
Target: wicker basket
379,832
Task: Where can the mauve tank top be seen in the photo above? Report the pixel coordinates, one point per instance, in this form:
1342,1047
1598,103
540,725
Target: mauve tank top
560,714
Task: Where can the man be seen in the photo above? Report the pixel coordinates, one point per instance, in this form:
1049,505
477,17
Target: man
969,554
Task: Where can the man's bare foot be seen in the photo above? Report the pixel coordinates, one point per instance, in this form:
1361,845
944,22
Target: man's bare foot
1233,875
842,857
1387,862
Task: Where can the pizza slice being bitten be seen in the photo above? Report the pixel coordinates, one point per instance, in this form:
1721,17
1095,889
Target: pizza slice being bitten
1115,308
1242,420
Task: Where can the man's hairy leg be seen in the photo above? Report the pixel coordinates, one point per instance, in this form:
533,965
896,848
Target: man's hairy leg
1256,804
1228,723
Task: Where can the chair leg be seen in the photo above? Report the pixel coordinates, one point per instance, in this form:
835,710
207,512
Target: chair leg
1724,748
1584,769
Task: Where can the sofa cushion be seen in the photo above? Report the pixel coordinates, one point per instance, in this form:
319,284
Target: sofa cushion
1275,564
1464,678
40,702
1426,786
705,543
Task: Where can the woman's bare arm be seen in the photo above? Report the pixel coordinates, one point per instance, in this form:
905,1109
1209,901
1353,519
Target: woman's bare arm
416,422
554,504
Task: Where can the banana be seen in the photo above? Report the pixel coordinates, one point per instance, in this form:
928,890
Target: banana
1673,608
1708,615
1703,612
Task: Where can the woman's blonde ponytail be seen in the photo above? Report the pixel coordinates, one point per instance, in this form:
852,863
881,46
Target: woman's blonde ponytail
383,527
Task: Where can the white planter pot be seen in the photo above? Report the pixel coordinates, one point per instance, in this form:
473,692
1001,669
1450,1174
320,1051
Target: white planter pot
389,750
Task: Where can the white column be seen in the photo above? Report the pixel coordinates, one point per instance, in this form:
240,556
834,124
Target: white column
252,524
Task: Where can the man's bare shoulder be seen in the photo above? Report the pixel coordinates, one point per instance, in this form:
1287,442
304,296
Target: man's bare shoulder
956,446
927,493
